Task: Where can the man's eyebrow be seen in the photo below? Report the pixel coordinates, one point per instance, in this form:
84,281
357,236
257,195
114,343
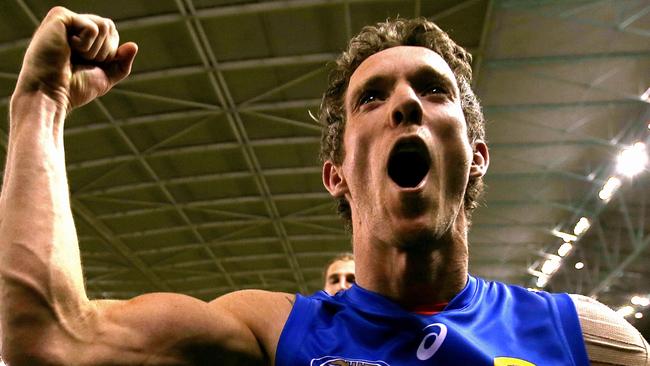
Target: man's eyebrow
426,74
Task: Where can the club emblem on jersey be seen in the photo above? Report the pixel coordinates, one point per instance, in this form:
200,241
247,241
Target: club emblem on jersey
343,361
428,347
510,361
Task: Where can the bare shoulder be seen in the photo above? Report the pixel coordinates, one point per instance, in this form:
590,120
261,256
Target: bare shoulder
263,312
609,338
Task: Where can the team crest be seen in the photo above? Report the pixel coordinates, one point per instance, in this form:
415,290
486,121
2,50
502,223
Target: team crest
510,361
342,361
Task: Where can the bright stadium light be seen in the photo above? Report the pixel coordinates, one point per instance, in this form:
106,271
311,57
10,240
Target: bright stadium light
645,96
625,311
579,265
640,300
551,265
610,187
541,281
632,160
564,236
638,315
564,249
581,226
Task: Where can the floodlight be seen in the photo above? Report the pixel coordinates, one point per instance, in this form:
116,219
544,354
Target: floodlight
612,184
564,236
626,310
581,226
632,160
640,300
551,265
564,249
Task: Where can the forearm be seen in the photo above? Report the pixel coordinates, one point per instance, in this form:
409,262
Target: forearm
40,265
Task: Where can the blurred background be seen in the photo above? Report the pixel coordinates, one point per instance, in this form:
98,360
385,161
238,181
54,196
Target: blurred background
199,174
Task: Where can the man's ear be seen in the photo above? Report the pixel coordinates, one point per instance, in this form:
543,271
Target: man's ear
333,179
480,159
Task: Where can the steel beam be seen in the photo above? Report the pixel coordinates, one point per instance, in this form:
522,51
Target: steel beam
634,17
197,179
309,126
453,10
217,81
241,242
145,119
223,201
284,105
164,190
494,108
620,269
509,63
164,99
481,56
316,58
147,151
219,146
282,87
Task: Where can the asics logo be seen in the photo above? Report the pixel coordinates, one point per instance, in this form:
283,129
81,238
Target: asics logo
429,347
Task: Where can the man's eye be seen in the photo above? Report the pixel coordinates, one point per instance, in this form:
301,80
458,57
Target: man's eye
435,89
369,97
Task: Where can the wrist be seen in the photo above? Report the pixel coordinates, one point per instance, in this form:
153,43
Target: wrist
37,102
43,85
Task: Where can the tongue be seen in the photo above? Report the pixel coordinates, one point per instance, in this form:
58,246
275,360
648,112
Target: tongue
407,168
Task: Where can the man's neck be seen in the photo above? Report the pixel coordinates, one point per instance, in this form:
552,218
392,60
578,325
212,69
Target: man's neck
418,275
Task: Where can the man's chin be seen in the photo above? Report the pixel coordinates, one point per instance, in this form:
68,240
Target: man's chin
411,234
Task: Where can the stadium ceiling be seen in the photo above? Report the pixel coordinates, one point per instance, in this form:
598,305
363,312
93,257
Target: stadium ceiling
199,174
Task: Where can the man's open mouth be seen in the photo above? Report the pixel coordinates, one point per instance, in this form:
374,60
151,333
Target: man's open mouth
409,162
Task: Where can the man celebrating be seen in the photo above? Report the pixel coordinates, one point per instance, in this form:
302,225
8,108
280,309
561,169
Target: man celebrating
404,153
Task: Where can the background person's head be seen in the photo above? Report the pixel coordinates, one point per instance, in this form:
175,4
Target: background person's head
373,39
338,273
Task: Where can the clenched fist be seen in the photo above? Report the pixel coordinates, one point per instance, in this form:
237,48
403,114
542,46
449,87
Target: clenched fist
74,58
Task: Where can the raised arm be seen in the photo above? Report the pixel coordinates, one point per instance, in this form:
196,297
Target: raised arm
46,315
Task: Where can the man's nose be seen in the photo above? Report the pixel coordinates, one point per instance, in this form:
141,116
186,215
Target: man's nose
406,107
345,284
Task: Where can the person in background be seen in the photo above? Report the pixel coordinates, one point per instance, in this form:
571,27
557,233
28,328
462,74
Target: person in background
338,273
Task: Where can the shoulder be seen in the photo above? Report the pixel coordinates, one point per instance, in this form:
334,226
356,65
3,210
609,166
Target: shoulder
257,306
609,338
263,312
256,296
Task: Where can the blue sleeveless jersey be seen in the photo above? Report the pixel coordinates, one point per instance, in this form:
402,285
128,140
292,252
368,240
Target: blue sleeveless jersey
488,323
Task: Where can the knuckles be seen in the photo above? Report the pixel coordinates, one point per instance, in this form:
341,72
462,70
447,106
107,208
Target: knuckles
103,25
57,11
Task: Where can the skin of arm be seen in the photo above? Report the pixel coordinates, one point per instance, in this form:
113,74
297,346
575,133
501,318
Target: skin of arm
46,316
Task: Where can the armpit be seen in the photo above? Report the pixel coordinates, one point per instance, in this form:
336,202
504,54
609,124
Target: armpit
609,338
291,299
